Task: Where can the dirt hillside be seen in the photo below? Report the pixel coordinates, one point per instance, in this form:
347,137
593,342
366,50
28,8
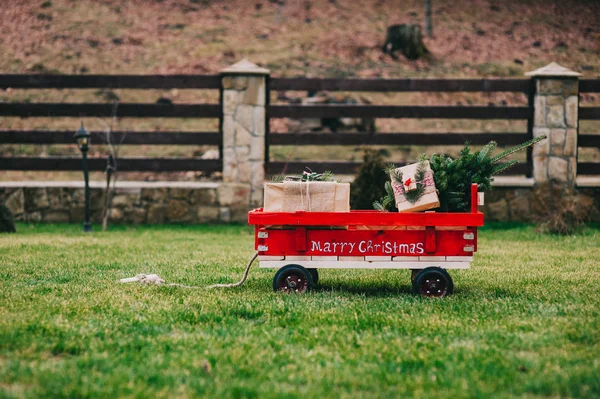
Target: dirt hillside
317,38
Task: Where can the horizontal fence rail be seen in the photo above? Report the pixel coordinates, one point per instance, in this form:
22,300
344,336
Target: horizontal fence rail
400,85
345,168
314,138
99,164
588,140
589,113
124,110
589,85
396,111
117,137
110,81
588,168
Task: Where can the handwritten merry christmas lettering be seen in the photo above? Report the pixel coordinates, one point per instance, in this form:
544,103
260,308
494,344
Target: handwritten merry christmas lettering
367,247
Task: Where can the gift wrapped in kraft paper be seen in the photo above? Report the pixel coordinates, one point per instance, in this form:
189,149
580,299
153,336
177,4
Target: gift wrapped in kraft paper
310,196
416,191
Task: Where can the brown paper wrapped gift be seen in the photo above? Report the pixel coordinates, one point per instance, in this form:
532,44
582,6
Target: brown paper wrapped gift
312,196
429,200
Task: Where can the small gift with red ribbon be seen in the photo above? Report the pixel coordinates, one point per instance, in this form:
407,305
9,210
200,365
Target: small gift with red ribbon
414,187
409,184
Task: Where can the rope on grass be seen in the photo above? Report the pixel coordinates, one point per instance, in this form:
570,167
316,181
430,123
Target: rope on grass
157,280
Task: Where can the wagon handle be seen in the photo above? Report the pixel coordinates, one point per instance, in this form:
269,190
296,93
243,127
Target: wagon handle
474,198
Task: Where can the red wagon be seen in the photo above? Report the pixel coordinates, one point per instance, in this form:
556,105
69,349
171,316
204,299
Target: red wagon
430,243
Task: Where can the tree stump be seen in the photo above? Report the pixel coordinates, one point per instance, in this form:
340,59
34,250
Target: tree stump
406,38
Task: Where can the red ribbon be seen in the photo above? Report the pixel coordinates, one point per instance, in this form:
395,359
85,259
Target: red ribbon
427,181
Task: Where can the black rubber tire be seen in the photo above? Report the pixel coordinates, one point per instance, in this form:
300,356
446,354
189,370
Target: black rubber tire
433,282
315,275
293,279
413,274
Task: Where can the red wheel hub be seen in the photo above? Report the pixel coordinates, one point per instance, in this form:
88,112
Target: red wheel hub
293,283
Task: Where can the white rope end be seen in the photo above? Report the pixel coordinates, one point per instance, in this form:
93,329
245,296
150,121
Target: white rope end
144,279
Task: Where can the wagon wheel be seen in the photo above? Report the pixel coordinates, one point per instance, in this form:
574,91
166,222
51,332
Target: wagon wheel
413,274
315,275
433,282
292,279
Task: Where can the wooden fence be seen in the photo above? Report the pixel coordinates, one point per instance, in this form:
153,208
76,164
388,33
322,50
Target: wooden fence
378,111
589,140
143,110
213,82
526,86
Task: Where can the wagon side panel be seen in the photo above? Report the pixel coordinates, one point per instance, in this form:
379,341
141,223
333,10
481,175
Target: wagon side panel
382,243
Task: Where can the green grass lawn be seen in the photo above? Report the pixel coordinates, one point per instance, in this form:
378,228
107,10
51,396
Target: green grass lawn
524,322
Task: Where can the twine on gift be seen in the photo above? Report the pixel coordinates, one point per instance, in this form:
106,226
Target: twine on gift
307,177
426,182
157,280
307,194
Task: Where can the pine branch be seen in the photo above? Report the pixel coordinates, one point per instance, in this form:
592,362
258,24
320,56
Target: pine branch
387,201
277,178
328,176
394,173
390,167
389,189
378,206
466,150
308,175
502,167
415,195
519,147
485,151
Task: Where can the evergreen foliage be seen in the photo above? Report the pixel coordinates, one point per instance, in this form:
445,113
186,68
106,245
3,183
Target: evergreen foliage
453,177
305,176
388,201
370,182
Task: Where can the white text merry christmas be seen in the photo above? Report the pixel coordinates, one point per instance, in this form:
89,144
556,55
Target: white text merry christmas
367,246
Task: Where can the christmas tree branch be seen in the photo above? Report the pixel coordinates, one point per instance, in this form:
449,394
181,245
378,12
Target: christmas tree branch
519,147
502,167
486,151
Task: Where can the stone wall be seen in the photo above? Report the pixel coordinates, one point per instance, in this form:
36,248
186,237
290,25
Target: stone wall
517,204
192,203
133,202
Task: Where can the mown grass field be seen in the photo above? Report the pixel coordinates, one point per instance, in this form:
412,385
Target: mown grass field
524,322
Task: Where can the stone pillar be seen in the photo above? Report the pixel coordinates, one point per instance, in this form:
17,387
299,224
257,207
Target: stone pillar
556,116
244,126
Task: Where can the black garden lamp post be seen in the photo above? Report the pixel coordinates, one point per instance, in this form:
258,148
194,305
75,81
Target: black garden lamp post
83,138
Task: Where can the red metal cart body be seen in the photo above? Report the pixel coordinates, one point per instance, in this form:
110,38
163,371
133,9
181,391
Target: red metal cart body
365,239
